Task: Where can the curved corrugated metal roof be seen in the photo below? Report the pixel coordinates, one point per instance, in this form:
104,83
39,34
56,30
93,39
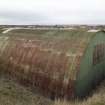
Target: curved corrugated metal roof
54,54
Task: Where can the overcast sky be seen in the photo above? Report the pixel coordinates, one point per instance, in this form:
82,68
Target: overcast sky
52,11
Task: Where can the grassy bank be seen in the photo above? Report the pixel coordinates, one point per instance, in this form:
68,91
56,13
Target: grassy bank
98,98
11,93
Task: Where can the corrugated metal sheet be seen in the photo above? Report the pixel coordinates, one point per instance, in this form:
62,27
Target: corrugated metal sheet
50,61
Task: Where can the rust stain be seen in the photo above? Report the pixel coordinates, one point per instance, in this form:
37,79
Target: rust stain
34,65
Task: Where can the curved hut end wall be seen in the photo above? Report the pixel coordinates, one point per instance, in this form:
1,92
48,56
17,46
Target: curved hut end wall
92,69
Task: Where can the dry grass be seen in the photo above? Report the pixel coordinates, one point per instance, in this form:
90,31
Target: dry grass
98,98
12,93
1,30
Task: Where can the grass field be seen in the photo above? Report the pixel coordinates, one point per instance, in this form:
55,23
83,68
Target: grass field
11,93
1,30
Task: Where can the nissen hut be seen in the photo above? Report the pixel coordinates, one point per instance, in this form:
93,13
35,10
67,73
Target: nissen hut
59,63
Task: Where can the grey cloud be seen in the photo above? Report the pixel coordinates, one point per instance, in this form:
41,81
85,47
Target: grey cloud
52,12
24,15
